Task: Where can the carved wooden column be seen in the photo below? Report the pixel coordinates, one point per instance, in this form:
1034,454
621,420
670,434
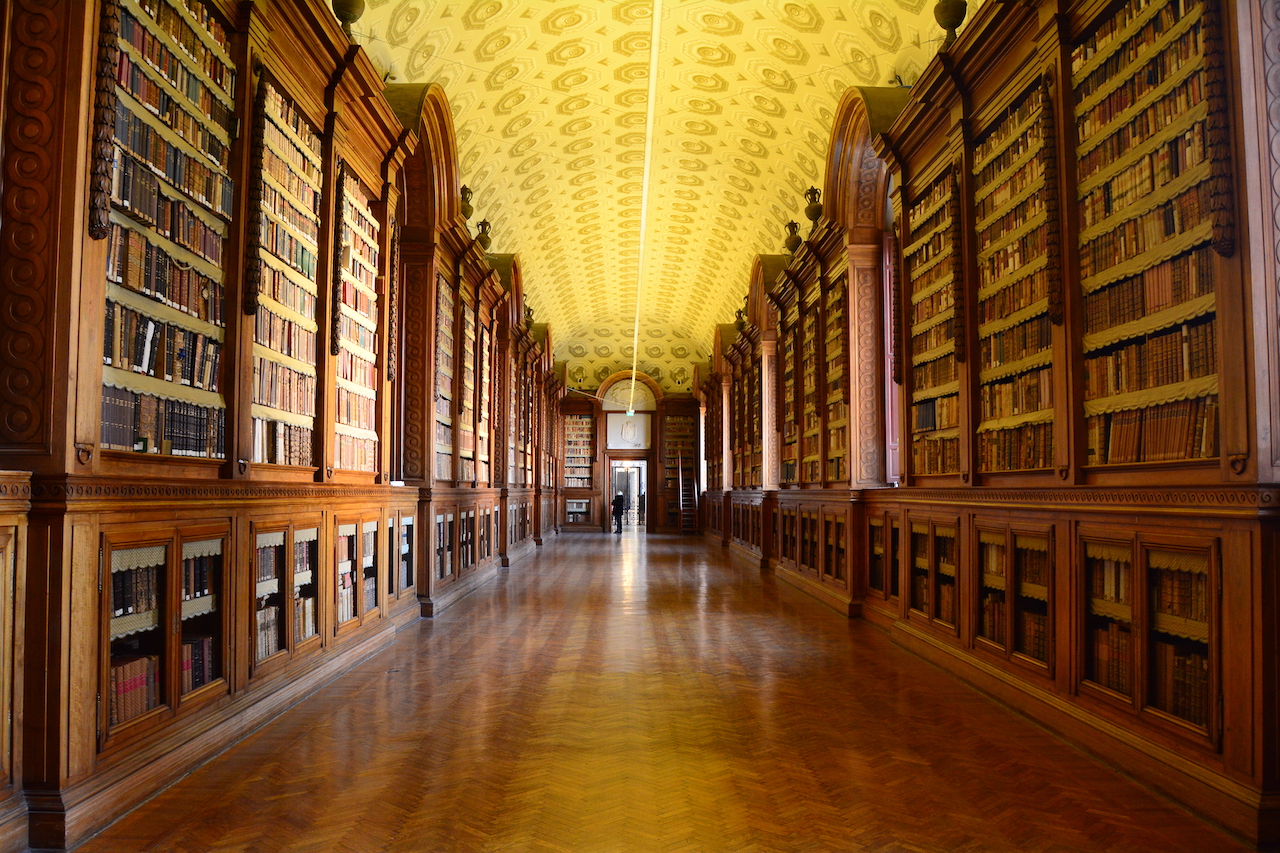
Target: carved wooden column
768,421
866,366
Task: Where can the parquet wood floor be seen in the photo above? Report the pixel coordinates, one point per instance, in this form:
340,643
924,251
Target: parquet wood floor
651,695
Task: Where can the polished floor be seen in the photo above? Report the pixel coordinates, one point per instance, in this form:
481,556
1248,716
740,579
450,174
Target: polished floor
651,695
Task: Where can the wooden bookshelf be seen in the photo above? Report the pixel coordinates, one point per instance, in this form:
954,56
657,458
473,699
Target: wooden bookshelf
356,286
171,199
289,185
931,261
579,451
835,381
1015,218
1147,199
445,317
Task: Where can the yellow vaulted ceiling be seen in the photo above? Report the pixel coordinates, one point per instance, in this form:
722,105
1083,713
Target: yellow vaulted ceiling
549,102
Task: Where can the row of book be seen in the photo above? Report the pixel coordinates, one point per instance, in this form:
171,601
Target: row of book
370,592
193,177
280,241
1000,133
1111,656
135,187
135,263
267,635
1011,220
1032,634
365,304
837,410
352,453
934,303
931,374
145,423
346,597
1186,429
135,342
836,468
286,113
1175,355
992,616
277,284
933,337
1180,680
136,590
1131,238
1013,256
1016,343
304,618
172,22
270,563
200,576
1164,18
1023,447
283,388
353,368
935,455
280,443
1189,47
1177,593
936,413
991,559
1170,283
135,686
1145,176
284,336
135,80
1033,566
356,410
1026,176
444,434
199,666
1014,297
1110,579
282,208
277,153
1026,392
179,72
937,192
360,272
358,333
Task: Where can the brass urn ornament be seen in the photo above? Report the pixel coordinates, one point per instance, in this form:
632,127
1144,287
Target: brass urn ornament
483,237
793,241
813,211
348,12
465,207
950,15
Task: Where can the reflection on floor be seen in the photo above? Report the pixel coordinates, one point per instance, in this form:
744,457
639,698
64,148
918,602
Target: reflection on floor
648,693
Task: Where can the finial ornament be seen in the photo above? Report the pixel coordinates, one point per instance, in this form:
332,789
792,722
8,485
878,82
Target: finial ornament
793,241
483,237
813,212
950,15
348,12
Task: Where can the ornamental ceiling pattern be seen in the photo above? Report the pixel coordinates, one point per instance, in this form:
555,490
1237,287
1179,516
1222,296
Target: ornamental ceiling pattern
549,101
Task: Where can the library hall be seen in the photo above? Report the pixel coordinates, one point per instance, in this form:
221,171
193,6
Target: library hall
640,426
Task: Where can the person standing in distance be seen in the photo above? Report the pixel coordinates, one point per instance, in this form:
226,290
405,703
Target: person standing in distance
619,507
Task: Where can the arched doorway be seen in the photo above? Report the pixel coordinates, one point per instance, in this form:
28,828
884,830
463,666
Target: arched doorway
630,409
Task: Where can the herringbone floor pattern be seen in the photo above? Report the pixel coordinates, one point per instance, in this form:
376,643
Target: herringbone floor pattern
651,696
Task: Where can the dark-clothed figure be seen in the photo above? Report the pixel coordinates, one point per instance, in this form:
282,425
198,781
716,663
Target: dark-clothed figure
619,507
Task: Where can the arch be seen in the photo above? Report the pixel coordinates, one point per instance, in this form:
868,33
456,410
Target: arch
857,180
624,376
431,181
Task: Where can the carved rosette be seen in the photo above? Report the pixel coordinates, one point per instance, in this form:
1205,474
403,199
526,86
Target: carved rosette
895,310
955,237
104,121
340,208
1218,135
393,304
1052,234
257,188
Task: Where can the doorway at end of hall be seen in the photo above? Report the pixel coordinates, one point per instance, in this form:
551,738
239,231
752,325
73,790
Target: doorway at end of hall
628,476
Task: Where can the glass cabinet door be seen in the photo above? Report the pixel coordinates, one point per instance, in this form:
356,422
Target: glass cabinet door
202,624
1108,576
136,634
306,564
269,628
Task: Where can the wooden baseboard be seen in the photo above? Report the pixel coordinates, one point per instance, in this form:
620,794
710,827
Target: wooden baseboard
518,551
1236,806
443,598
62,819
837,600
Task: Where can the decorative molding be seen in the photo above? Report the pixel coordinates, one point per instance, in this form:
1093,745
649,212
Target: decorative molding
1049,160
105,104
257,188
896,314
339,213
957,262
870,177
68,490
1166,500
1218,133
869,391
28,265
418,408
